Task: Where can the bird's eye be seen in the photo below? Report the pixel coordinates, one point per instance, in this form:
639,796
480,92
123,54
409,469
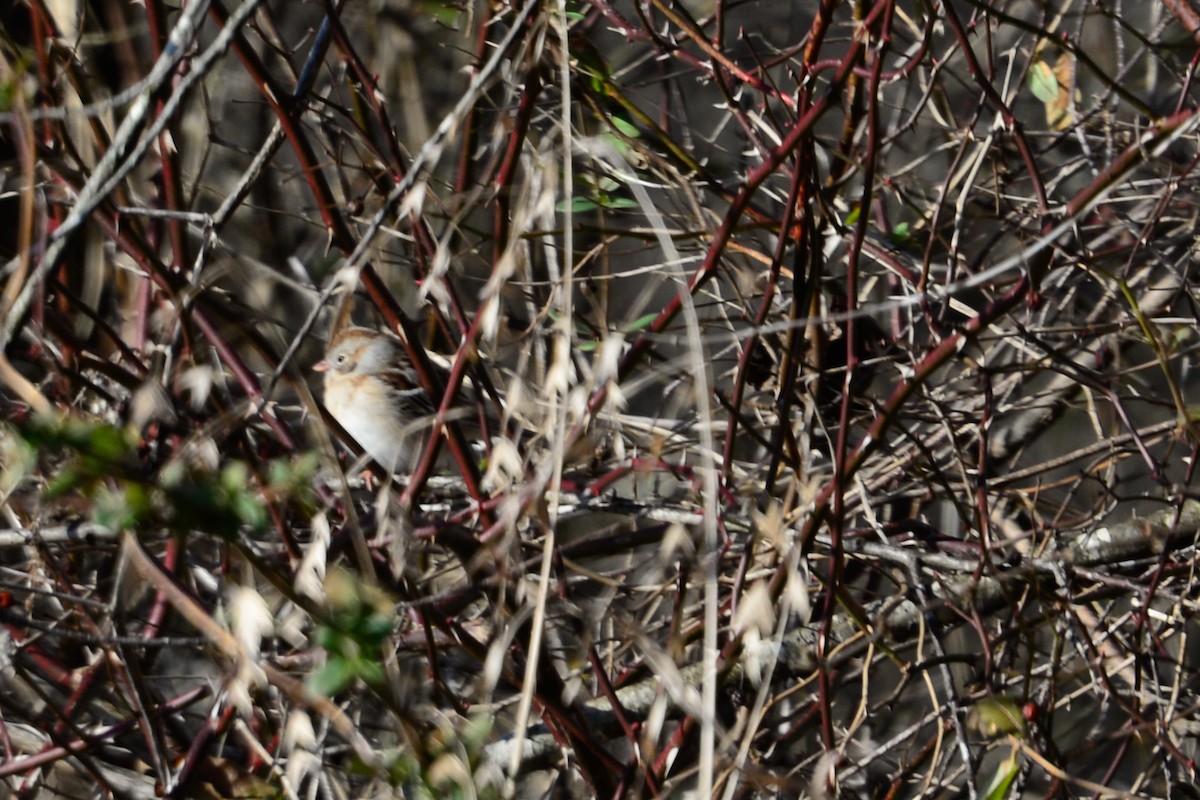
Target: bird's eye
340,359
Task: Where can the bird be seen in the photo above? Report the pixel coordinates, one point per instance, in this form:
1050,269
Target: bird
373,391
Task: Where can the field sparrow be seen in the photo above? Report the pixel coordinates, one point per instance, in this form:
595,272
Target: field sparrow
373,392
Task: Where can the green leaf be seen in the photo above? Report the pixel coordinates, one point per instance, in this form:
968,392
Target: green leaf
376,628
333,677
475,734
1003,778
625,127
619,144
579,205
16,456
235,476
290,476
109,443
444,13
371,672
1043,82
327,637
641,323
121,509
618,202
8,90
250,510
67,480
172,474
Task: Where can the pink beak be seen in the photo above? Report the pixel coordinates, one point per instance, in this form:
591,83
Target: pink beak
321,366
